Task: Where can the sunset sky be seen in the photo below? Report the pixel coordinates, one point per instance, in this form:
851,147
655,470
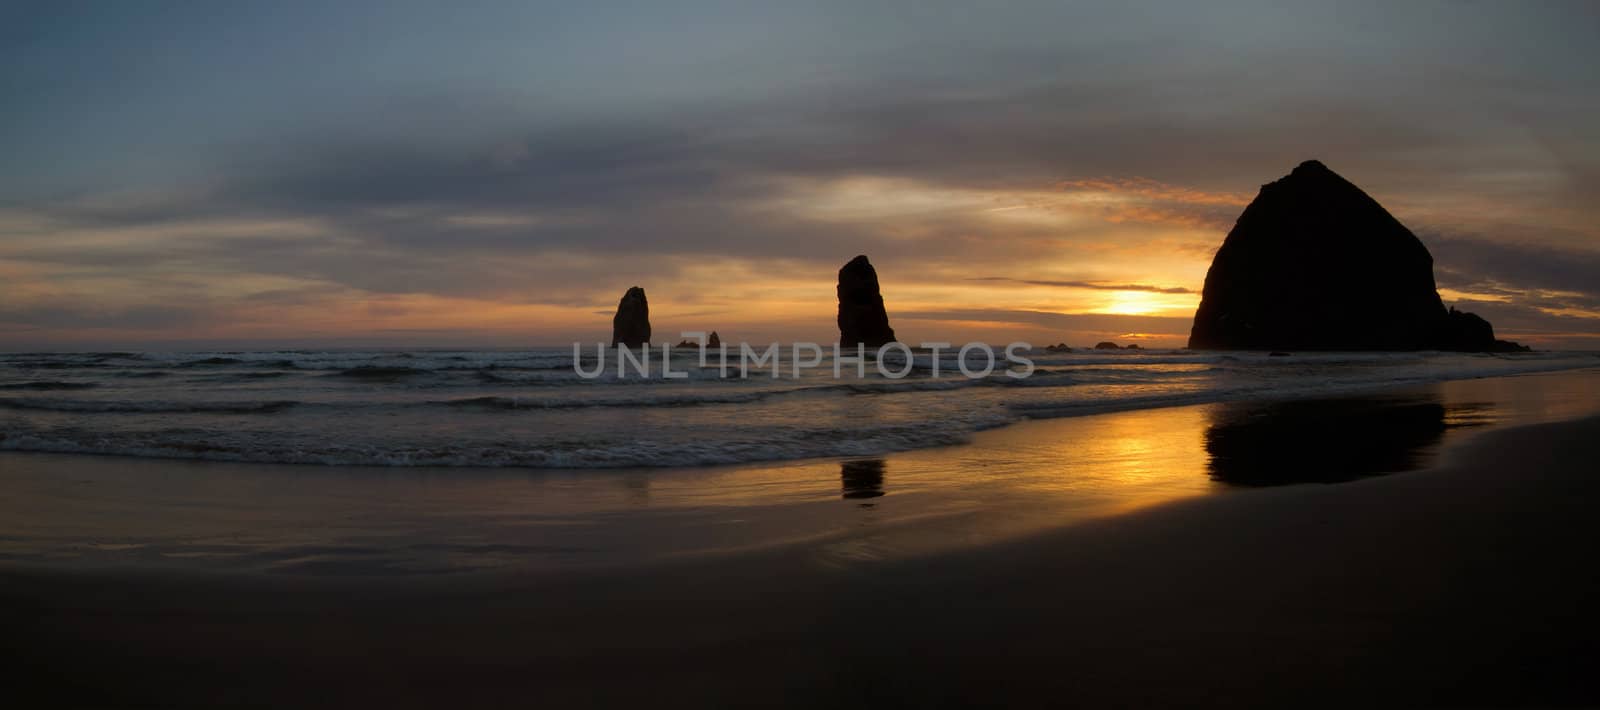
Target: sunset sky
282,174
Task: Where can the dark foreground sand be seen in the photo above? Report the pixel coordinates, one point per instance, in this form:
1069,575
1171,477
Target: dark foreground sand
1469,584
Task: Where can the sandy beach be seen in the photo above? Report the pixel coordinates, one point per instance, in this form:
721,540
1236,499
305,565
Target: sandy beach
1462,584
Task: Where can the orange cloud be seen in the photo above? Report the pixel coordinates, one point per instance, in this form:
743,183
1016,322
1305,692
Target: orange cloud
1156,191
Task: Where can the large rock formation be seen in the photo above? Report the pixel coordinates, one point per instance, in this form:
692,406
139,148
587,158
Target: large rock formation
1316,264
631,325
861,315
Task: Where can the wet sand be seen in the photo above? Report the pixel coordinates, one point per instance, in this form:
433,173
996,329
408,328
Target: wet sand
1465,584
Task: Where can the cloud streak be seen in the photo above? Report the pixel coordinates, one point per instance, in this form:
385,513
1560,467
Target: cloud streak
1090,285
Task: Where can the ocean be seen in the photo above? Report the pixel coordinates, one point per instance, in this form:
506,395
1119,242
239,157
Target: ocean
530,408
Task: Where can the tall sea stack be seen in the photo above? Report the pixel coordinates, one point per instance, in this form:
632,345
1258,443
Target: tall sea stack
862,318
631,325
1313,263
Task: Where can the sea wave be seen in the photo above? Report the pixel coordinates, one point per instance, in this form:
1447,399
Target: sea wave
48,385
127,407
503,408
203,362
378,372
1280,389
798,444
665,400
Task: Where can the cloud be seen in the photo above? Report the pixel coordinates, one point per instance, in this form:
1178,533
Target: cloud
1469,263
1540,293
992,171
1082,322
1091,285
19,317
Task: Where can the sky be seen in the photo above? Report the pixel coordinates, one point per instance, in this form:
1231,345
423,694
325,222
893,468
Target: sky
466,174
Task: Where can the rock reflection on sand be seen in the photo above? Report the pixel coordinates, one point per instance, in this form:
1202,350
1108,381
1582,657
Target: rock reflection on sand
1329,441
862,478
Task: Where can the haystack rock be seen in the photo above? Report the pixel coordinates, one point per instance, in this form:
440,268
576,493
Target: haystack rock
862,318
631,325
1314,263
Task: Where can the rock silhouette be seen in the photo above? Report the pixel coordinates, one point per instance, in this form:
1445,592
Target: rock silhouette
1469,332
1106,345
1314,263
631,325
862,318
712,343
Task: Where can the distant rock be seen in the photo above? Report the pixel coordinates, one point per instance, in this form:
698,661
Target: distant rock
1058,348
1314,263
1132,346
862,318
1106,345
631,325
712,343
1277,353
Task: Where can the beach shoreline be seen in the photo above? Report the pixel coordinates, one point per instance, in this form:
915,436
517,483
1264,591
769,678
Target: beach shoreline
140,513
1458,584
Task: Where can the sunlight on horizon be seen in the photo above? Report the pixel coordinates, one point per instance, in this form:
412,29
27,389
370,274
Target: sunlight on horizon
1140,303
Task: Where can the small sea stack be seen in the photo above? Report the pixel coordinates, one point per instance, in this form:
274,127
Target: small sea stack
862,318
712,343
1314,263
631,325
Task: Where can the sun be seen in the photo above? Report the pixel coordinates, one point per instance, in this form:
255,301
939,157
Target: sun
1132,303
